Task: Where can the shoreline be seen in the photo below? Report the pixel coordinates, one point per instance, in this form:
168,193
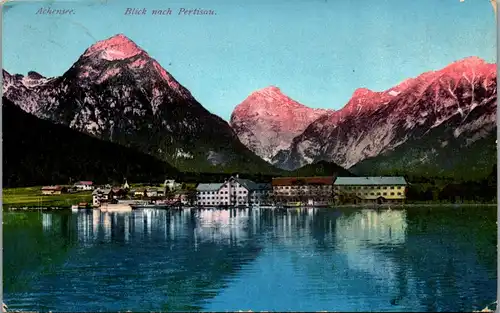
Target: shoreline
127,208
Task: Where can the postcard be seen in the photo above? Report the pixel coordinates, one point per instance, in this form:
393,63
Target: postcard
188,155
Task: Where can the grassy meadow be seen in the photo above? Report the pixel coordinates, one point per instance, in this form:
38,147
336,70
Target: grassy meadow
32,197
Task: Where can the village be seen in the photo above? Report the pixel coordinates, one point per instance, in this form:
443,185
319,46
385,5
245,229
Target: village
321,191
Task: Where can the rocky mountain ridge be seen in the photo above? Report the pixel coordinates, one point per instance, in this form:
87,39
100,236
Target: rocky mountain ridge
115,91
268,120
461,96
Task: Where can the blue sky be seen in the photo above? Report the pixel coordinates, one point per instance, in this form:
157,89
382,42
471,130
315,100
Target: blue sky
317,51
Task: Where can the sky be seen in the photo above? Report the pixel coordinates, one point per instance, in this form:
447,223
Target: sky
318,52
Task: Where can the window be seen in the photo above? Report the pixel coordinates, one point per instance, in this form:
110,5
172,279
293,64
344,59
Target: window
371,193
392,187
378,193
392,193
385,193
399,193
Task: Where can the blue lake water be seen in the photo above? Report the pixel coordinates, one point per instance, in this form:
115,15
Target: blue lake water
418,259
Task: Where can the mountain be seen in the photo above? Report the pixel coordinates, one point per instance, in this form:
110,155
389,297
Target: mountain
267,121
439,155
431,118
38,152
115,91
321,168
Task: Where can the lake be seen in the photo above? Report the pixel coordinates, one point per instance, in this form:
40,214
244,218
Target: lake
415,259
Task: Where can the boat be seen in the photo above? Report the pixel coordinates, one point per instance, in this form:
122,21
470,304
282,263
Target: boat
80,206
83,205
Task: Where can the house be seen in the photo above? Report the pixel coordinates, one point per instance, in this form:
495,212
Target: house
118,192
53,190
84,185
310,191
208,194
180,197
152,192
138,192
102,195
234,191
171,184
388,189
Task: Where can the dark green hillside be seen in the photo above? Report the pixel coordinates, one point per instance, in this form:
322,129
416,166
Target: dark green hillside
38,152
440,167
321,168
439,155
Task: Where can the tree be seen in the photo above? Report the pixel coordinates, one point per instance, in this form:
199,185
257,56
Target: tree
191,197
167,192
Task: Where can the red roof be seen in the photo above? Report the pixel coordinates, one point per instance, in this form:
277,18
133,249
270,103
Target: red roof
87,183
55,188
290,181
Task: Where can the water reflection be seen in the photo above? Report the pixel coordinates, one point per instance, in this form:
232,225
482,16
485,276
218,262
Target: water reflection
363,236
372,227
46,221
218,226
259,259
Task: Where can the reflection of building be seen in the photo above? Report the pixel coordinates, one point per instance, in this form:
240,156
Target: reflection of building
222,225
47,221
359,235
96,217
84,221
368,226
370,189
234,191
314,191
106,224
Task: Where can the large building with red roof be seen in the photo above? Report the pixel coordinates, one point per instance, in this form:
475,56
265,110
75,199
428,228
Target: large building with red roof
313,191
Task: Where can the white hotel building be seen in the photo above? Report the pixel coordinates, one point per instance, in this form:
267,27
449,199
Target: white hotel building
234,191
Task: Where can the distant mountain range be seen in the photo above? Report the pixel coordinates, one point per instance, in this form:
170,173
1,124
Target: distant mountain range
434,124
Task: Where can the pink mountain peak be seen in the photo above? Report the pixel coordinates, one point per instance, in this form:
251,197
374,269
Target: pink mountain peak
271,103
362,99
472,60
361,92
118,47
266,101
470,66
